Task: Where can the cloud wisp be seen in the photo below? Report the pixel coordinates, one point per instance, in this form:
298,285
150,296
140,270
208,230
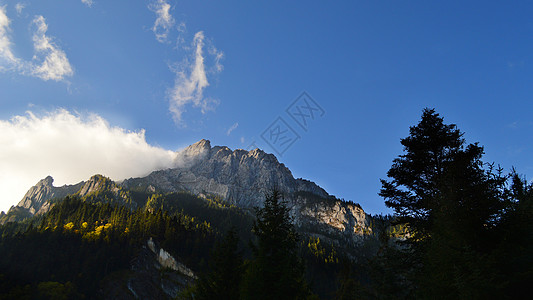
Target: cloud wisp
192,73
54,65
49,61
71,148
192,79
233,127
89,3
164,21
7,59
19,7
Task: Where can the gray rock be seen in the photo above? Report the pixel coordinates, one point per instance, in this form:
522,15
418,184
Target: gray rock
240,177
35,201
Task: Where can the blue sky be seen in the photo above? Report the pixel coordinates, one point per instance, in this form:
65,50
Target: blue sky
113,87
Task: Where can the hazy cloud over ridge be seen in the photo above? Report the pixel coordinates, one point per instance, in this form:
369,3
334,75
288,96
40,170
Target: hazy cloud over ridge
71,148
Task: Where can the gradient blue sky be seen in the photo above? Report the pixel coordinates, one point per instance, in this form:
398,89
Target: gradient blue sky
165,74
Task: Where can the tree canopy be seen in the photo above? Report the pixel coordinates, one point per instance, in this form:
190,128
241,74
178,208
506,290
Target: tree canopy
276,272
454,206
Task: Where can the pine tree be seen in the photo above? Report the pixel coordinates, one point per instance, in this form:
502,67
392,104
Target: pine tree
276,271
413,190
515,251
451,204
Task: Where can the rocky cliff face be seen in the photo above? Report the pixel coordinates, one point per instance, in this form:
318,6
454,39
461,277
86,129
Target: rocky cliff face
154,274
333,220
36,199
240,177
99,186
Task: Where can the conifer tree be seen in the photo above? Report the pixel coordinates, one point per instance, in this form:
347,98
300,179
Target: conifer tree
451,203
276,271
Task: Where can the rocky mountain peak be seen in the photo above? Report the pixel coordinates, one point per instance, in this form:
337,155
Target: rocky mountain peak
198,148
46,182
36,197
97,183
203,143
241,177
193,153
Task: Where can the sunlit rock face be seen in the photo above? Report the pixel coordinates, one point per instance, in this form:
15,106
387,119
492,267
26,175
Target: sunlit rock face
35,199
240,177
166,260
331,219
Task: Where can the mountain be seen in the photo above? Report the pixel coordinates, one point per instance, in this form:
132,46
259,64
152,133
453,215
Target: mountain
243,177
238,177
40,197
35,199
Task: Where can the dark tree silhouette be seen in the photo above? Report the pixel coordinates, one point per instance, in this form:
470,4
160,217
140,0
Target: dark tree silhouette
451,204
413,190
226,268
276,271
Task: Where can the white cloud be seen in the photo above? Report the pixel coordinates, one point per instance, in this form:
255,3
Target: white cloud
70,148
180,40
19,7
55,65
233,127
218,56
49,61
191,80
164,20
7,58
89,3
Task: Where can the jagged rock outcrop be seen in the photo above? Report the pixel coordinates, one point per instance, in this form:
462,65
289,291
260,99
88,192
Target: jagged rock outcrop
154,274
39,198
240,177
333,220
167,261
99,187
36,199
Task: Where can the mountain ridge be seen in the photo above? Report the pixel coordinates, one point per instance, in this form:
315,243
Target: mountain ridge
239,177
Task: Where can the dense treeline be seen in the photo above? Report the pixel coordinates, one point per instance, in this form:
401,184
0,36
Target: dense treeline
218,213
80,243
